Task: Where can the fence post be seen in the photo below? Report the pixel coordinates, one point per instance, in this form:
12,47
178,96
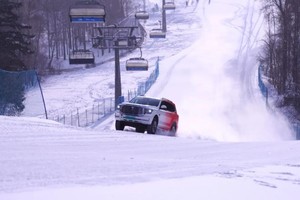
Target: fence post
42,94
103,106
78,118
98,111
86,117
297,132
267,94
110,104
93,114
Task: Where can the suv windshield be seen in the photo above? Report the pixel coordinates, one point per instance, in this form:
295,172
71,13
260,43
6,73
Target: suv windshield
145,101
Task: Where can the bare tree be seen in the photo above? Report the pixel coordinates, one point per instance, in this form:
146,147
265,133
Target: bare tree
282,48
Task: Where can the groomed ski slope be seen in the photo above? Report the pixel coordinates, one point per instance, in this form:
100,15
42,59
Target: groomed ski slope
229,146
45,160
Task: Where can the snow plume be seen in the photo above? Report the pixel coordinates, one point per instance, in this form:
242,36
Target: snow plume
213,101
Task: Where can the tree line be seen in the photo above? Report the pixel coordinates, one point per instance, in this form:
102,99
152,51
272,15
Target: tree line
281,56
35,33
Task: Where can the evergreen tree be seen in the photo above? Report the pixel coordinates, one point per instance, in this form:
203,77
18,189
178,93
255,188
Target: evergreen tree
14,42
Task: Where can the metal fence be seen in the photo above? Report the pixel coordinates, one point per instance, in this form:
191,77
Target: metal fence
264,91
84,117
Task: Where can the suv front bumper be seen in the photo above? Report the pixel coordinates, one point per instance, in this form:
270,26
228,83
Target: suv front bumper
146,120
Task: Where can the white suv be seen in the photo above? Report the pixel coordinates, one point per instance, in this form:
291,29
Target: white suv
145,113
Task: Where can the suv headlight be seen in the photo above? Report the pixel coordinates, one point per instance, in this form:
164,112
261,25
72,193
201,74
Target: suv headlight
148,111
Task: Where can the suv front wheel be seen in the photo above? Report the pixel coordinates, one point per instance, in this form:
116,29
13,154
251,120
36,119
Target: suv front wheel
119,125
152,128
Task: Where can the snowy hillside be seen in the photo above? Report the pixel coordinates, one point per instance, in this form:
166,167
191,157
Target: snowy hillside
229,145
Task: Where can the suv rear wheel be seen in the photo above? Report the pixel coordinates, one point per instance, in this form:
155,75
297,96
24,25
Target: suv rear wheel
152,128
173,130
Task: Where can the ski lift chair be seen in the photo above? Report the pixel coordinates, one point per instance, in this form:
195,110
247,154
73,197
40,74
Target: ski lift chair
157,33
142,15
87,12
81,57
169,6
137,64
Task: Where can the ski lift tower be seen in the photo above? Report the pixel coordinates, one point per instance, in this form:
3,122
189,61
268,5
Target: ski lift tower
117,38
166,5
164,17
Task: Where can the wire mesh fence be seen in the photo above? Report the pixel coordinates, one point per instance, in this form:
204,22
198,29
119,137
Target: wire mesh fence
83,117
21,94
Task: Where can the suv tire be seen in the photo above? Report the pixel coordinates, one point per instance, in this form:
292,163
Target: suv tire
119,126
173,130
152,128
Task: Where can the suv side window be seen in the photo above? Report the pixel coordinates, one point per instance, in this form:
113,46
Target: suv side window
167,106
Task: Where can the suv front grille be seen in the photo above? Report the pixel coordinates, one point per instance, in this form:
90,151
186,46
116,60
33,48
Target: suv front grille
132,110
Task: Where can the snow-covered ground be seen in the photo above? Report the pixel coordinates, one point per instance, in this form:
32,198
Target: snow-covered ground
229,145
45,160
